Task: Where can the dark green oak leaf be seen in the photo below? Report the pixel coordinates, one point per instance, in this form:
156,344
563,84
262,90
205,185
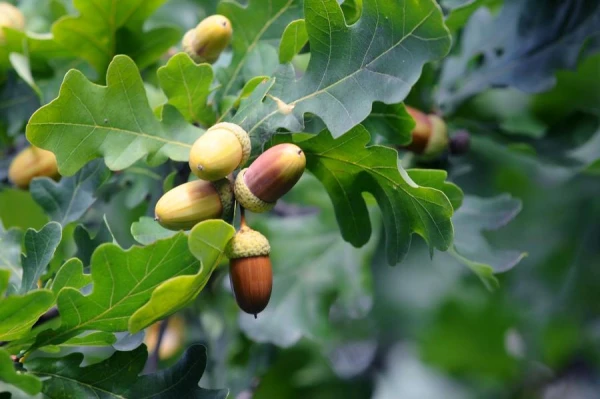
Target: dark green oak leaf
39,251
105,28
347,169
10,253
119,376
379,58
25,382
536,41
67,200
113,121
267,24
123,281
187,86
207,241
391,122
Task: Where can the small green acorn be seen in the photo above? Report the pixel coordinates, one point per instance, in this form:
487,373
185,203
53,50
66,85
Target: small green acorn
206,41
190,203
32,162
270,176
219,151
250,270
11,17
429,136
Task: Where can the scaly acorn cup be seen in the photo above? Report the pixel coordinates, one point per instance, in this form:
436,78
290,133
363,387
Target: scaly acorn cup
429,136
10,16
32,162
270,176
250,270
206,41
219,151
190,203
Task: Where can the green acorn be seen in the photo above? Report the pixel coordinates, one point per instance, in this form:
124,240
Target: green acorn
206,41
219,151
270,176
190,203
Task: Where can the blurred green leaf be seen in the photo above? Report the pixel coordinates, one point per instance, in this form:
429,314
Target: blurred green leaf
17,102
207,241
86,244
536,42
98,125
350,67
347,168
293,39
67,200
28,213
104,29
10,253
187,85
123,281
39,251
25,382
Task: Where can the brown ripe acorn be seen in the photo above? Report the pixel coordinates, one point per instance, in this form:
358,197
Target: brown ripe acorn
206,41
219,151
429,136
32,162
11,17
270,176
250,270
190,203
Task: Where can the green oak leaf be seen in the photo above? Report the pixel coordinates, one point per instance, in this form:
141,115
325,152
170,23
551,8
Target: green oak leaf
113,121
207,241
314,268
17,103
29,213
39,48
147,230
392,122
71,275
267,24
459,11
119,376
39,251
294,38
536,41
187,86
105,28
436,178
470,247
347,169
4,276
67,200
18,313
378,58
10,252
86,244
123,281
180,381
97,338
25,382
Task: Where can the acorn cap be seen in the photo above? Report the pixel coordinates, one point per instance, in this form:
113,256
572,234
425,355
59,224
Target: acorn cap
247,243
219,151
421,132
438,141
246,198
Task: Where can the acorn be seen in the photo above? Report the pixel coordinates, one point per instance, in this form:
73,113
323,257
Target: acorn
11,17
219,151
271,176
190,203
429,136
32,162
206,41
250,270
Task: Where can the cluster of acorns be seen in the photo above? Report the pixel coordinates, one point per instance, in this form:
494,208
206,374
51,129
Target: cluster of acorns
221,150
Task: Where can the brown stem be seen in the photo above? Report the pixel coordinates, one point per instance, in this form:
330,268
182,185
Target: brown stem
242,217
152,365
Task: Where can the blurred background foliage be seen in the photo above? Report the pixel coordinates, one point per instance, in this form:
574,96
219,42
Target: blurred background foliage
523,78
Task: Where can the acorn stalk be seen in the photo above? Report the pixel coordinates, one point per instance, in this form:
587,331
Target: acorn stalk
219,151
190,203
208,39
30,163
250,271
270,176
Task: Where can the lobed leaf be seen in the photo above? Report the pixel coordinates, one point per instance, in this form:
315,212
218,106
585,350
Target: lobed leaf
25,382
39,251
18,313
